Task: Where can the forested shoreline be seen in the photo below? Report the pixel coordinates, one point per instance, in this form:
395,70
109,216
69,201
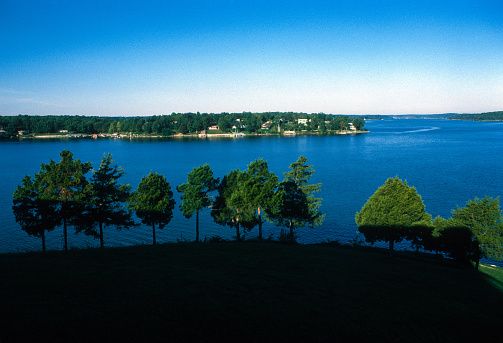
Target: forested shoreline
487,116
180,124
206,123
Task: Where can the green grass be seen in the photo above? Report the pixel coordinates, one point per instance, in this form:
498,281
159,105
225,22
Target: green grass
244,292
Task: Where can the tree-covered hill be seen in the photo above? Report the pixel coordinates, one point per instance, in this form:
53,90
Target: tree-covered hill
487,116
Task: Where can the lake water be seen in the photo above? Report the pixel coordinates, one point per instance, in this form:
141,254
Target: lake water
449,162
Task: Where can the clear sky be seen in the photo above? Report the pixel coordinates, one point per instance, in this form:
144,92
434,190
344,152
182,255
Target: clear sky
152,57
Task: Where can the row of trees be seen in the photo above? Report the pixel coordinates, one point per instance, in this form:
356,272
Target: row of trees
396,212
60,194
183,123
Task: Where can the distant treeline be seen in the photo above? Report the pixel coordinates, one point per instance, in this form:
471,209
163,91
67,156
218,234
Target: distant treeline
487,116
178,123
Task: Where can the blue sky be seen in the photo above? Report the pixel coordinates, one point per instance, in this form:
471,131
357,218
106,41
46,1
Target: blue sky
342,57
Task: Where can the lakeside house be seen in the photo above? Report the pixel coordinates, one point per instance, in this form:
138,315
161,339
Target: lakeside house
302,121
266,126
242,126
214,127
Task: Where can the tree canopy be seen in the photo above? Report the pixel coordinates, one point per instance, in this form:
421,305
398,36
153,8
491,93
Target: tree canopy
153,201
65,183
200,182
259,187
483,218
230,206
34,214
105,200
295,205
391,212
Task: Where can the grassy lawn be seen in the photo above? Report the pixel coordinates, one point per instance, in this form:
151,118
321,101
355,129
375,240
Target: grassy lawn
244,292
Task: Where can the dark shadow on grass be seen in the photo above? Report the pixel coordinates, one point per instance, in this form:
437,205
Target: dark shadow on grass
247,292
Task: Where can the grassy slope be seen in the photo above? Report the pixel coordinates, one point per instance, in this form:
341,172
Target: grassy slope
244,292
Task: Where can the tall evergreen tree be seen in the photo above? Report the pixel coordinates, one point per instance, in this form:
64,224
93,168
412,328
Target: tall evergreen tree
390,212
300,173
153,202
230,207
200,182
106,201
64,183
291,208
35,214
295,204
259,188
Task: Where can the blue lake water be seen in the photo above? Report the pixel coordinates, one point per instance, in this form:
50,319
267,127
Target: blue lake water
449,162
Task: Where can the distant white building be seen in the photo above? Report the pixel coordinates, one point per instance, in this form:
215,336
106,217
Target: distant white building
302,121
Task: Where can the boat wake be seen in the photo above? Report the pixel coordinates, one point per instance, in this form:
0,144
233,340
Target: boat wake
422,130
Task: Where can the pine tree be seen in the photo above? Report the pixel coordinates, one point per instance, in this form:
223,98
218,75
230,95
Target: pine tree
295,204
32,212
64,183
195,196
230,206
153,202
105,201
259,187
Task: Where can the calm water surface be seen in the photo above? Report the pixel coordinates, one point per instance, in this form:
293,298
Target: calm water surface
449,162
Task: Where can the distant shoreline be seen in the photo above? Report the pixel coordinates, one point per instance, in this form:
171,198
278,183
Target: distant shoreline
196,135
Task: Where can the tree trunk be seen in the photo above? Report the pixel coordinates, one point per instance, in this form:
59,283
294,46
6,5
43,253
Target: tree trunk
153,233
291,231
101,235
43,240
477,256
259,224
197,225
238,238
65,234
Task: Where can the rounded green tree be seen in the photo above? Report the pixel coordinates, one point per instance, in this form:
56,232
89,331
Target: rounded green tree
153,201
483,218
391,213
